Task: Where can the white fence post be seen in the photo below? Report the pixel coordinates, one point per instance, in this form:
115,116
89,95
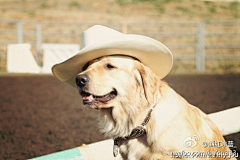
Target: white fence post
200,48
38,42
19,32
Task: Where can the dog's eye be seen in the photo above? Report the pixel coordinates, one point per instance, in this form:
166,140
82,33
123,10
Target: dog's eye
109,66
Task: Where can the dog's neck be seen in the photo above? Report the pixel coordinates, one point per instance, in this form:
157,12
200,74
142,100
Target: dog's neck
136,132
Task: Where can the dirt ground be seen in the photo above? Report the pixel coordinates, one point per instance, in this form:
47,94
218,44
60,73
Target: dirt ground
40,115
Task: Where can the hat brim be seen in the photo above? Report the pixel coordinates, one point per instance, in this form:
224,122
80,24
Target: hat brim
150,52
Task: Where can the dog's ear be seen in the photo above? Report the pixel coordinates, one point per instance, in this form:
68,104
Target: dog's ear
150,82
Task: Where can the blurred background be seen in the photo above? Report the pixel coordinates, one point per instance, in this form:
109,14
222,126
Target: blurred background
204,36
40,115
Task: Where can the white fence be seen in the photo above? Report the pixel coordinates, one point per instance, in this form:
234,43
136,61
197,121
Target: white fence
191,41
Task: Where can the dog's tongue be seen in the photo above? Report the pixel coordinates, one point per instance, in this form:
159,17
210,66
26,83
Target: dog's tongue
88,98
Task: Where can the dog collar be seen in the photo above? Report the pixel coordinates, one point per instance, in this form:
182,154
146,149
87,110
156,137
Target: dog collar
135,133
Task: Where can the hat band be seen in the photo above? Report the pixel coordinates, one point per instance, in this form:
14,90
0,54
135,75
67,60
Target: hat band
97,59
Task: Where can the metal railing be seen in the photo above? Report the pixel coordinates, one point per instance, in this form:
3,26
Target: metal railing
189,41
199,34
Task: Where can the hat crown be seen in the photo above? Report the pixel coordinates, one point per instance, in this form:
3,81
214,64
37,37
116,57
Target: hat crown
99,41
96,34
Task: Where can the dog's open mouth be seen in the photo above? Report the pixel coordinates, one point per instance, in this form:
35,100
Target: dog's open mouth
89,98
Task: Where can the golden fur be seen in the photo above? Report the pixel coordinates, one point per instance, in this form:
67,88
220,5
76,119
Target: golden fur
173,119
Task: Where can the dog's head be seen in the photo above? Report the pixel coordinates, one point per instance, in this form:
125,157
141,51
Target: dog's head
116,80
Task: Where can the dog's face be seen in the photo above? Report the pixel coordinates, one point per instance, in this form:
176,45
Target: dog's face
111,80
105,81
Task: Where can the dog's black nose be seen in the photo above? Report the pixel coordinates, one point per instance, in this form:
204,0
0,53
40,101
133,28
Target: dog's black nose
82,80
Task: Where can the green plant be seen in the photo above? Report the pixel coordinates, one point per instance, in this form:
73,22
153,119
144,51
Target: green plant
74,4
208,2
183,9
44,4
212,10
234,5
121,2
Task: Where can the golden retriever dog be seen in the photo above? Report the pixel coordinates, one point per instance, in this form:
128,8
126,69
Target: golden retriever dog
146,118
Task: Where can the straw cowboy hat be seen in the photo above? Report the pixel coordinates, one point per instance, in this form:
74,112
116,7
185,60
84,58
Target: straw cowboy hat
99,41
